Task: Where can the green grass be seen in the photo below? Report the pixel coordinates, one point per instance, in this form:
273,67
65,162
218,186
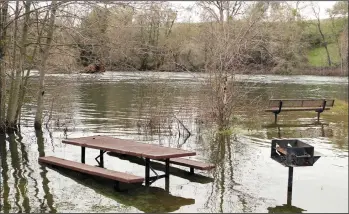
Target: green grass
317,57
340,108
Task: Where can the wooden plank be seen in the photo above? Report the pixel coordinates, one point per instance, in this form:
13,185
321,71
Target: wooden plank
281,150
128,147
310,99
301,102
296,109
92,170
191,163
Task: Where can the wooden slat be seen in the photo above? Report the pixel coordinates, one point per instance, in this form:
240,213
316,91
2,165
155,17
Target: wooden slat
128,147
191,163
296,109
92,170
310,99
301,102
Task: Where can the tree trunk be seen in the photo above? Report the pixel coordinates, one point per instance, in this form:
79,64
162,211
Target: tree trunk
23,54
322,36
23,88
42,67
3,30
328,55
16,75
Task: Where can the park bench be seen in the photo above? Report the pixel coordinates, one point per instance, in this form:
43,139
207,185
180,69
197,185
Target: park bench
192,164
92,170
318,105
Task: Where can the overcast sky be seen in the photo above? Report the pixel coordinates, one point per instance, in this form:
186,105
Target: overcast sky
193,15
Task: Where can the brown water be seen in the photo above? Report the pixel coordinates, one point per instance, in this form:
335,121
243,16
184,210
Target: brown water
121,104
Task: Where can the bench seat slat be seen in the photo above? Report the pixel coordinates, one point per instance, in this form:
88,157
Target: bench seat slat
296,109
92,170
191,163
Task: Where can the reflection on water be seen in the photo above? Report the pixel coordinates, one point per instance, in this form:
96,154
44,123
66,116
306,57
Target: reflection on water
136,107
153,199
285,208
5,206
20,181
48,198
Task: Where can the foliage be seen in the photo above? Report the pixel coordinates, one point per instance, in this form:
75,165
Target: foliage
317,56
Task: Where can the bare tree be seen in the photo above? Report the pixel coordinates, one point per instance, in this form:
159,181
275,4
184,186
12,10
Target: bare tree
316,11
339,11
228,48
3,47
44,52
15,75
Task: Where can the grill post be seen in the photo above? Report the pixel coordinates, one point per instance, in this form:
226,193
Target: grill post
83,154
147,172
276,118
101,164
290,184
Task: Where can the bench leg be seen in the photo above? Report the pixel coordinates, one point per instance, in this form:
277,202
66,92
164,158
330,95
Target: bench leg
191,170
276,118
83,154
167,175
318,116
147,172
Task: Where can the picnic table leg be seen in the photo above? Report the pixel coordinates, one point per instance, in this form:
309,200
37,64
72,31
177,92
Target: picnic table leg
167,175
82,154
147,172
101,158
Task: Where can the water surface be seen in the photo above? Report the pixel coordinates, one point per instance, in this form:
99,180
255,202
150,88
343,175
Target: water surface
140,106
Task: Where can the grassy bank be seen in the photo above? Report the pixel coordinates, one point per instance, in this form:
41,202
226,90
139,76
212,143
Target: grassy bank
317,57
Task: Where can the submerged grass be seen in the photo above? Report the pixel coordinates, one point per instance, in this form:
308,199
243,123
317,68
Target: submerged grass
340,108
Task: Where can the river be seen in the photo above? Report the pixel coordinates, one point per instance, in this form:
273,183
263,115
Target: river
139,106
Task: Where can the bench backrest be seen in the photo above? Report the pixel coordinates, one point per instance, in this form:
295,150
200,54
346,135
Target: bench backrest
301,102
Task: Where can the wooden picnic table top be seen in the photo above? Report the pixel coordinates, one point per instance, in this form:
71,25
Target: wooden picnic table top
128,147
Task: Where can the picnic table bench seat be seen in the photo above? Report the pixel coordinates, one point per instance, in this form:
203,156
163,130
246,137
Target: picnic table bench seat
193,164
92,170
318,105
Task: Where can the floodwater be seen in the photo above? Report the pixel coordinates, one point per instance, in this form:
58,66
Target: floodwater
141,107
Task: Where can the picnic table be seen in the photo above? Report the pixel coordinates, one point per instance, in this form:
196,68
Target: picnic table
126,147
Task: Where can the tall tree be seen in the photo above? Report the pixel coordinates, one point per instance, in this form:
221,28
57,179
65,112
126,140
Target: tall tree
44,52
3,46
15,74
339,26
316,11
